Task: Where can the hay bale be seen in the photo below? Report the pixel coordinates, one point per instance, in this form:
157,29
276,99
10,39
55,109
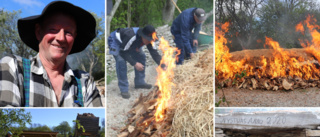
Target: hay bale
193,97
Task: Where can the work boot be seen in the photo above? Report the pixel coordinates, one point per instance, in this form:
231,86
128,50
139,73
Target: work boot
145,86
125,95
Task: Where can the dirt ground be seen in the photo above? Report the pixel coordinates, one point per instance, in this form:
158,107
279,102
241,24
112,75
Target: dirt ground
117,107
262,98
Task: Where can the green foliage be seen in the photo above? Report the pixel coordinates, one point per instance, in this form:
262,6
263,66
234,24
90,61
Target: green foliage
102,130
63,128
13,120
111,75
92,59
272,18
241,75
10,42
39,127
78,125
142,13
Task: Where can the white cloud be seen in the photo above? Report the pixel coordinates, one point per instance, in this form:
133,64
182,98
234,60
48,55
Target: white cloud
29,3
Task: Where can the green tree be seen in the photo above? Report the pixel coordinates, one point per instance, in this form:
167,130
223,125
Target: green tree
242,16
279,18
78,126
39,127
92,58
13,120
10,42
102,131
63,128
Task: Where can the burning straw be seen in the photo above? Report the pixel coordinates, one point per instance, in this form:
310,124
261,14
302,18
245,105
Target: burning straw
282,70
188,112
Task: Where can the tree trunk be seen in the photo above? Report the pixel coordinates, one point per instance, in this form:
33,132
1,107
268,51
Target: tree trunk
109,17
129,14
168,11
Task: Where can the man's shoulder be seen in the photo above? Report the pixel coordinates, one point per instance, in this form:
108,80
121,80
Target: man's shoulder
11,59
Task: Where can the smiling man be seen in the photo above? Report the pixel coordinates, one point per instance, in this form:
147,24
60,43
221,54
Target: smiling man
47,80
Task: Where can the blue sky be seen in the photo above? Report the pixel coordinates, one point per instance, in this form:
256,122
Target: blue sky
53,117
35,7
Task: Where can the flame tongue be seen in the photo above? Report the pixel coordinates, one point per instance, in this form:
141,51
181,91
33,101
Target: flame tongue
154,38
165,76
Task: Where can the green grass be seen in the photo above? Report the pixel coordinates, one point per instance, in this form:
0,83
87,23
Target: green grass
111,75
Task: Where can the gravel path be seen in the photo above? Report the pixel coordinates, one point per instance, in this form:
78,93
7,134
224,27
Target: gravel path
261,98
117,107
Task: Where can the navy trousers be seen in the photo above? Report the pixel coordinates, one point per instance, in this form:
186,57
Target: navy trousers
121,68
183,50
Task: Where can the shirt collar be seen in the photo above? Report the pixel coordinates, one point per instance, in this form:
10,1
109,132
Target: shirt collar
37,68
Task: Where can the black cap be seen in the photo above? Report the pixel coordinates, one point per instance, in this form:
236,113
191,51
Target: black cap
86,25
147,32
200,13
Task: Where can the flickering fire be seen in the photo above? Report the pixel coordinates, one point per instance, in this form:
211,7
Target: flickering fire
165,76
154,38
224,65
282,63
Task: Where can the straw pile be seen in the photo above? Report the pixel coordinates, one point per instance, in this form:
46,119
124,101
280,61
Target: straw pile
194,111
190,110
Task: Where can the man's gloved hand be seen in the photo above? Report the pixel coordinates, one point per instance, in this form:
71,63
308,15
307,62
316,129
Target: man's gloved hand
139,66
195,42
191,55
164,67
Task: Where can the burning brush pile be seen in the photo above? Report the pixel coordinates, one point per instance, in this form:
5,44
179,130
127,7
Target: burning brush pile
181,104
271,69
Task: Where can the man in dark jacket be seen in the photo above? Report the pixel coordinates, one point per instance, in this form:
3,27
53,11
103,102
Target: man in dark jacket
125,44
181,28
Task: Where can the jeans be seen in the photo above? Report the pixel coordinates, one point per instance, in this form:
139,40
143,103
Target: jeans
121,69
183,50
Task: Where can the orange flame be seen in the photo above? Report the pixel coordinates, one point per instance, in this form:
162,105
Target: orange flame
224,65
165,76
154,38
282,63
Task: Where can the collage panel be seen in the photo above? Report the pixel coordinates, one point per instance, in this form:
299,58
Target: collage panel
266,68
52,54
267,53
159,71
53,122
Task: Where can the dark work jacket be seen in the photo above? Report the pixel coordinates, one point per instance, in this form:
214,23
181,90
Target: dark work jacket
183,26
126,47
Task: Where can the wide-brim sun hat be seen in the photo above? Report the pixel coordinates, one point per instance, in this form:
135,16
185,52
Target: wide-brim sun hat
147,32
86,25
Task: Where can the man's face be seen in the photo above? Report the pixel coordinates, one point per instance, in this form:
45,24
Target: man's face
197,20
56,36
145,41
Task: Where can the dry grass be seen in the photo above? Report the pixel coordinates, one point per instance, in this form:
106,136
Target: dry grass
193,97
